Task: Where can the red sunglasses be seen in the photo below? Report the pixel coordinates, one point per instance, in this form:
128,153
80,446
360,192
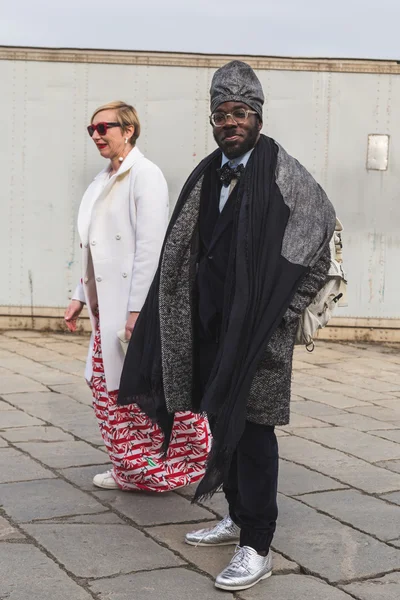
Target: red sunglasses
101,128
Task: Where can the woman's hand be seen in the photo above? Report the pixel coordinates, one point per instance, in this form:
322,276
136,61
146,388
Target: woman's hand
72,313
130,324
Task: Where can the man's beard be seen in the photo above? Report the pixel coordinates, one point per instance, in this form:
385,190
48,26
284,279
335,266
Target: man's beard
235,149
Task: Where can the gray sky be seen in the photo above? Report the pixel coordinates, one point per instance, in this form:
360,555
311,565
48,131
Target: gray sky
326,28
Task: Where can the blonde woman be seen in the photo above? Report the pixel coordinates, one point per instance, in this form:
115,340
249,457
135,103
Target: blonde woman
122,221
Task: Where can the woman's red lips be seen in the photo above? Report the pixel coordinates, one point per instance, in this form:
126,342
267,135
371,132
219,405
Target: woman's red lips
101,145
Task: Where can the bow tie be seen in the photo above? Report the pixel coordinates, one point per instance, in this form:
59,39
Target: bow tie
227,173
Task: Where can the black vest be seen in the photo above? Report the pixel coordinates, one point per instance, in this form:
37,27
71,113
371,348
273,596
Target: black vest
215,233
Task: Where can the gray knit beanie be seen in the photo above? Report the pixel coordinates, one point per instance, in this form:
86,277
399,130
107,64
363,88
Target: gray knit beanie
237,82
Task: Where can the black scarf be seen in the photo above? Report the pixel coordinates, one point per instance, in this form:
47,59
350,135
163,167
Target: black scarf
259,287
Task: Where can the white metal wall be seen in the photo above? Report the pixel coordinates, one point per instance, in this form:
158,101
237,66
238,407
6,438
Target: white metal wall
47,160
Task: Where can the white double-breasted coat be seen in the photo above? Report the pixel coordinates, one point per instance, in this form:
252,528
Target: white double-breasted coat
122,221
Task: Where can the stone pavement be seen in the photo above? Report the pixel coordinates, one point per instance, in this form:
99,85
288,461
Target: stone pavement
338,534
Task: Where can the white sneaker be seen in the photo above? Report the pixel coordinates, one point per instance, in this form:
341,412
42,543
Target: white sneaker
105,481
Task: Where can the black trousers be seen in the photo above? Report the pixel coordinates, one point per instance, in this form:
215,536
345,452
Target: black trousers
251,484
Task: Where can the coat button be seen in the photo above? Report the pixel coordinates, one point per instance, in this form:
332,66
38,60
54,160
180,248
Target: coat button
86,279
124,274
93,242
86,245
99,278
210,257
118,236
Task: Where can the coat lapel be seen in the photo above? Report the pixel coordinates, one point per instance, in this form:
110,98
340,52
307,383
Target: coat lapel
175,307
99,188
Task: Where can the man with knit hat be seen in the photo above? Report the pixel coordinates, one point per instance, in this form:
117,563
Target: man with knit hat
246,251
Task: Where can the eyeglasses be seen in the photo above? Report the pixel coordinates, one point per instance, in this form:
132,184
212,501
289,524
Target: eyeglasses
101,128
238,116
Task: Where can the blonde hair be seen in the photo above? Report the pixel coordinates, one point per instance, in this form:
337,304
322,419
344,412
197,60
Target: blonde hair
126,116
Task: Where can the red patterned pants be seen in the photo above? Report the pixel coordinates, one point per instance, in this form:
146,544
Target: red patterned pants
134,443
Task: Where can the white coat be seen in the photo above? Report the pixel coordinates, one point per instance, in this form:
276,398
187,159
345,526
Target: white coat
122,222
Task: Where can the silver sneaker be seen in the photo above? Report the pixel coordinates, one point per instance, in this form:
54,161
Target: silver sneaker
246,569
224,533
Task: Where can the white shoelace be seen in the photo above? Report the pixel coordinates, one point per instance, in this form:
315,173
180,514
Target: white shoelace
217,526
240,558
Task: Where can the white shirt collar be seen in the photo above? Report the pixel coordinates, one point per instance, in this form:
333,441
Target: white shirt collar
241,160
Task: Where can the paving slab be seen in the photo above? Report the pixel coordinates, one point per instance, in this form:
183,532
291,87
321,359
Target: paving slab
330,398
5,406
392,465
169,584
217,504
328,548
338,465
83,476
387,384
15,466
45,499
10,384
3,443
12,345
382,588
154,509
359,422
49,406
320,355
210,560
61,411
105,518
381,413
37,371
313,409
297,420
7,532
393,497
79,391
316,380
357,443
280,433
391,402
296,479
49,376
86,429
4,353
25,572
43,433
64,454
24,334
77,351
363,512
75,338
300,364
102,550
188,491
17,418
293,586
69,365
40,353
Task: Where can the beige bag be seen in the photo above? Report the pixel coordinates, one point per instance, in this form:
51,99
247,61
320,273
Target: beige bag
317,315
122,340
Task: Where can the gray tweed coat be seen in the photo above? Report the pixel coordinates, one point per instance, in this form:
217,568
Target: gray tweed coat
269,398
